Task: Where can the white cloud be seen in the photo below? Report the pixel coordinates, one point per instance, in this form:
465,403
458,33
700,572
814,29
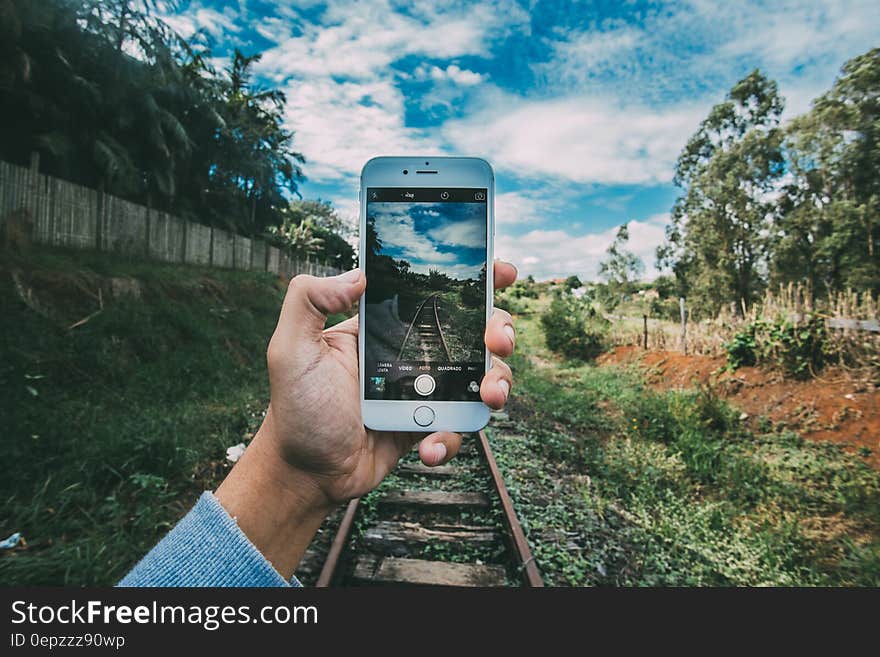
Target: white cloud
396,229
581,139
703,47
451,73
341,125
520,208
469,234
344,103
198,17
557,253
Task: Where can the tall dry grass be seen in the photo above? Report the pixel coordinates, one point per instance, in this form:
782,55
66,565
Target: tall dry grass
848,347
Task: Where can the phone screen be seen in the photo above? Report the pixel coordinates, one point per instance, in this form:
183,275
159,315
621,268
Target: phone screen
425,312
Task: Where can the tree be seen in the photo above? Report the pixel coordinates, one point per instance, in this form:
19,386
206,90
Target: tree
572,282
717,239
621,268
297,238
827,230
323,224
112,98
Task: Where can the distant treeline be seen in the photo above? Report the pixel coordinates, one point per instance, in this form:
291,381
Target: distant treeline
764,204
113,99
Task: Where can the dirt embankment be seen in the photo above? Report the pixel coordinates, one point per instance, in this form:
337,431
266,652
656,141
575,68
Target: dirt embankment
832,408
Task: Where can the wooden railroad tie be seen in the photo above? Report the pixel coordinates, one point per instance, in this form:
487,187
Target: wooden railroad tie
419,572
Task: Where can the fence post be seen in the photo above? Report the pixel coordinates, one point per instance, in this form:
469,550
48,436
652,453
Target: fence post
183,244
31,194
99,214
684,349
148,217
645,332
35,169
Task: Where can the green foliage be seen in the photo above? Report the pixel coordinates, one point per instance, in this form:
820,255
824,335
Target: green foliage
716,240
572,282
297,239
798,349
742,348
620,269
828,233
668,309
573,329
617,484
164,129
133,410
517,298
729,237
315,229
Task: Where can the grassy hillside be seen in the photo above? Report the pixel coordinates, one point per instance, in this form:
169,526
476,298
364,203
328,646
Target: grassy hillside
111,428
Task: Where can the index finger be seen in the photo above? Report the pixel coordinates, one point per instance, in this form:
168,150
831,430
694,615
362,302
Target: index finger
505,274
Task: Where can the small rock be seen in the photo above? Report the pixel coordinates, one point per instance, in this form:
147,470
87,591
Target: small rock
125,287
743,416
234,453
850,396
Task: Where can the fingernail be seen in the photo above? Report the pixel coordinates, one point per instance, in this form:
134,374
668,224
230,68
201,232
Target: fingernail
508,331
350,277
440,451
505,387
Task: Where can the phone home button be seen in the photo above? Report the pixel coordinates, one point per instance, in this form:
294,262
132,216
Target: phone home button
423,416
424,384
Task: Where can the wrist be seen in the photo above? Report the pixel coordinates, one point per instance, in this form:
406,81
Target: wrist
278,507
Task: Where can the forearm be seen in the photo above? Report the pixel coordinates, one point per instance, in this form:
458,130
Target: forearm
278,507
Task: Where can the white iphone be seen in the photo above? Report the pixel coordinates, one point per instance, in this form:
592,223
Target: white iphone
427,225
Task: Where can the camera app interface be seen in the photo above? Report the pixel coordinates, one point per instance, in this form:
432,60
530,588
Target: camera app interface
425,309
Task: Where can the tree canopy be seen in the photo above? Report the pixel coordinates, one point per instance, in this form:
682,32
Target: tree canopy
764,203
828,230
112,98
717,236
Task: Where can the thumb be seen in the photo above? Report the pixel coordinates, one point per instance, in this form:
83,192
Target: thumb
309,300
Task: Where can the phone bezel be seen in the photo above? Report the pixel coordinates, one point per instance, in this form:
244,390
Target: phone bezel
397,415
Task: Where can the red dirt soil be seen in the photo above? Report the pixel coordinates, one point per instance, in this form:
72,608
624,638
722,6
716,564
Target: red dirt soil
832,408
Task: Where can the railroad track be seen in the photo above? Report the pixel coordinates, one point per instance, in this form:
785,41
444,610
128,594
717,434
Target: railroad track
452,525
424,339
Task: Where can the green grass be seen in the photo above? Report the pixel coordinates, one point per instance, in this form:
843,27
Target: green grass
112,429
617,484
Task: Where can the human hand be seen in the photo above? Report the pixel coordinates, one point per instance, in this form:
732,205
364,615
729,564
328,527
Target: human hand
313,451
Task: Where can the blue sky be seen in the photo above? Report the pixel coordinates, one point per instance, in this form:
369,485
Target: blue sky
448,237
582,107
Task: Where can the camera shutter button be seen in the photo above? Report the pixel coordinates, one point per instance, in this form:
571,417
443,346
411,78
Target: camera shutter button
424,384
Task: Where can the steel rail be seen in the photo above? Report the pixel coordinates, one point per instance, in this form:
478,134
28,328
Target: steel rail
411,324
531,577
331,563
528,567
440,330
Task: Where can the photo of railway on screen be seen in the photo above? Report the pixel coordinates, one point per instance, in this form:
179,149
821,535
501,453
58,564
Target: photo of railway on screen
426,282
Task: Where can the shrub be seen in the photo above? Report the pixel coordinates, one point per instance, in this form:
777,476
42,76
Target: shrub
796,348
668,309
741,350
573,330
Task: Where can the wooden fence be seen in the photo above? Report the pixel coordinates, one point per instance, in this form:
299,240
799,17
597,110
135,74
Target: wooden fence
61,213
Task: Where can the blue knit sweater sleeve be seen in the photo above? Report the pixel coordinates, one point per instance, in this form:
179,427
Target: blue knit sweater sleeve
206,548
